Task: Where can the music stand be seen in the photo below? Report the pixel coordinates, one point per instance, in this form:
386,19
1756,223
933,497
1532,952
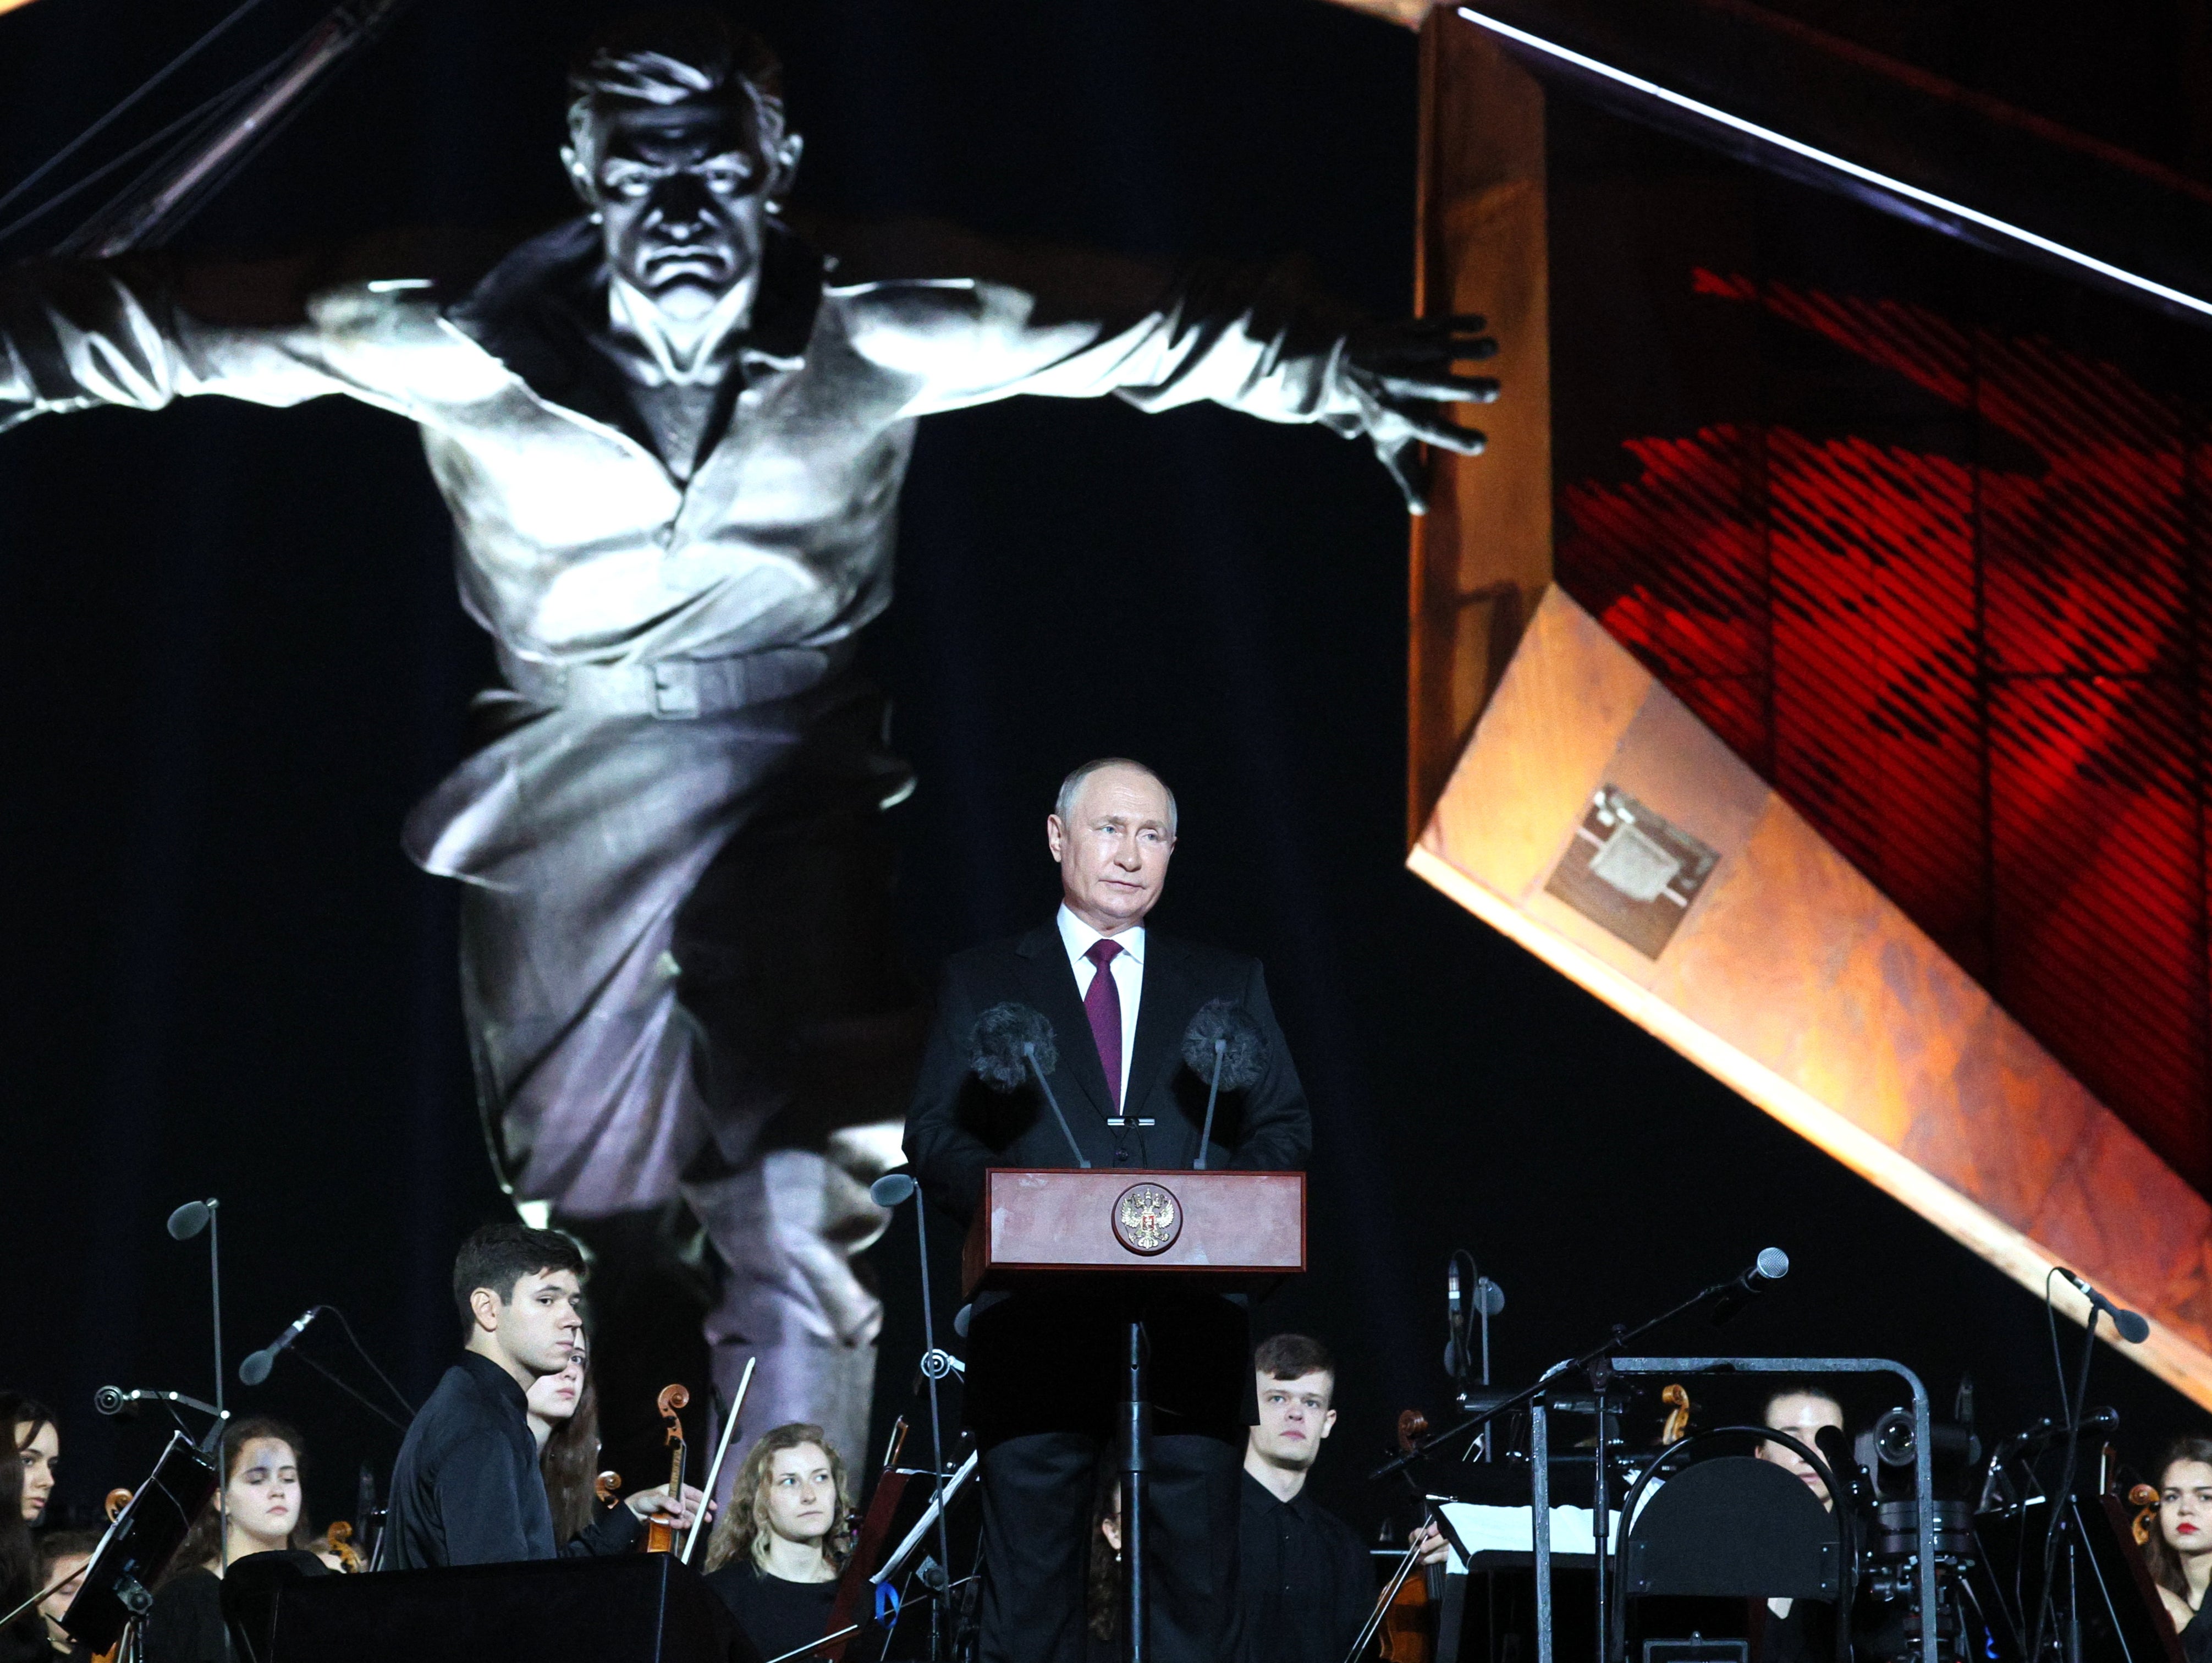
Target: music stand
119,1580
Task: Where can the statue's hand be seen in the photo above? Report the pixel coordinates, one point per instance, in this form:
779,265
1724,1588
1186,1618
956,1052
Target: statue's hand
1402,375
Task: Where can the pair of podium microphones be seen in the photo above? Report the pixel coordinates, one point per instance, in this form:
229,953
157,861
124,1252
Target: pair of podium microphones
1013,1044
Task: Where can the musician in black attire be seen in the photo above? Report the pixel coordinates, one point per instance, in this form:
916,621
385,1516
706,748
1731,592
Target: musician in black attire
1305,1583
1045,1370
466,1489
775,1556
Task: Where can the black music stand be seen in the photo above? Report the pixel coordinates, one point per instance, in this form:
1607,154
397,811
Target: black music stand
118,1581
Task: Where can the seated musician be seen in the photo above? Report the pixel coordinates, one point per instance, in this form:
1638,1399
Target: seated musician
1793,1631
63,1555
776,1555
1047,1368
564,1419
262,1502
2179,1550
1306,1582
466,1489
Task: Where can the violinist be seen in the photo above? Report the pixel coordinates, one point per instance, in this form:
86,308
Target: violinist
775,1556
564,1418
466,1489
63,1555
2179,1550
37,1442
263,1505
1306,1584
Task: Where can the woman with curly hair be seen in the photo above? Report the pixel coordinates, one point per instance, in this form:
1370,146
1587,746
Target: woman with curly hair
2179,1550
775,1556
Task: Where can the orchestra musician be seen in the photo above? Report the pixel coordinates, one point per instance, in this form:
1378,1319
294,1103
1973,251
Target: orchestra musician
466,1489
2179,1550
1045,1370
24,1639
63,1555
263,1505
37,1442
776,1555
1305,1583
1786,1630
564,1419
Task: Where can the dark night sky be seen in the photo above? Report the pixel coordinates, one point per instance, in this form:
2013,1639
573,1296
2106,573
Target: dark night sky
230,658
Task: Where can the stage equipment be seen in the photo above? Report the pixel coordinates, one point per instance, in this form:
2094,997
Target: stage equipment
890,1191
255,1367
1823,737
185,1222
1223,1046
119,1578
2131,1326
1230,1230
1598,1366
1010,1044
649,1606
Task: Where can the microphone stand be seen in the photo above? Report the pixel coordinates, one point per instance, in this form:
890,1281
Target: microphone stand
1029,1051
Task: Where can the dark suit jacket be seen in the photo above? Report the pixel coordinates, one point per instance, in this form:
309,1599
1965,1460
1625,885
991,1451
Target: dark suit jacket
957,1128
1049,1360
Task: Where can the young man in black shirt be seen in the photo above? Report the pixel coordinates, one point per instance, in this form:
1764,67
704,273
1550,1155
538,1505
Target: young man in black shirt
466,1489
1306,1585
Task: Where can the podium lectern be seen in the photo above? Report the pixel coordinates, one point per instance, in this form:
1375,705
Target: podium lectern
1233,1232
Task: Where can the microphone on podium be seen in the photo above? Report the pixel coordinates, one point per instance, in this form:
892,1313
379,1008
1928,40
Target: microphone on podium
1010,1043
1224,1046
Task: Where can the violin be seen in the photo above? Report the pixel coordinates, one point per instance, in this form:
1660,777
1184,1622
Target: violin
607,1487
340,1537
883,1508
1408,1634
2144,1499
660,1531
1676,1426
117,1500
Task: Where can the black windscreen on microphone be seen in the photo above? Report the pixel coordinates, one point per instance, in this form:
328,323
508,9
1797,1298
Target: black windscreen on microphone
1005,1038
1226,1031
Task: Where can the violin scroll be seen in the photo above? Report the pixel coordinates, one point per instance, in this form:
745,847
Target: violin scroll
607,1487
340,1537
117,1500
2144,1499
1676,1426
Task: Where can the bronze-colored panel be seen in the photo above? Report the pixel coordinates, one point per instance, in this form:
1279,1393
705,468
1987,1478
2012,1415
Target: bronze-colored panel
1795,981
1482,555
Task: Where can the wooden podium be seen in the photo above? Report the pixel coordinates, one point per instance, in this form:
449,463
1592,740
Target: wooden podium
1225,1231
1233,1228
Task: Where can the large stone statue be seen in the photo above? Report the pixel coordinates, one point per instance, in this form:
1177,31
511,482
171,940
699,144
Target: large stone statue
672,447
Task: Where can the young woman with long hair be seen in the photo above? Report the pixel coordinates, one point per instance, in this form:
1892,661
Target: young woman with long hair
775,1556
36,1437
564,1418
2179,1552
264,1499
23,1641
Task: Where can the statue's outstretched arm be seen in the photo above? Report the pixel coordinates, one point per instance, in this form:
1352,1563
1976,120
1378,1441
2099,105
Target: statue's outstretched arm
1253,341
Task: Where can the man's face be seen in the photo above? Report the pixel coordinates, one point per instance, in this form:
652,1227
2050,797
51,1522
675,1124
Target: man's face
1802,1416
681,192
541,1325
1113,849
1294,1417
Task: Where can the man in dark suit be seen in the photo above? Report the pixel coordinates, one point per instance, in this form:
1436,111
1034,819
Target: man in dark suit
1045,1368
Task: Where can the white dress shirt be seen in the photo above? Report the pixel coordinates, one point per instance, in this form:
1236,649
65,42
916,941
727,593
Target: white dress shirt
1128,968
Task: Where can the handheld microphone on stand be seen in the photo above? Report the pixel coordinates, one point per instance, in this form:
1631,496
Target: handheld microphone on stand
256,1367
1730,1297
2131,1325
1224,1045
187,1222
1010,1043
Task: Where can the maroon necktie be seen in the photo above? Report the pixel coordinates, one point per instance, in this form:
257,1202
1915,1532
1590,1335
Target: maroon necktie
1102,1005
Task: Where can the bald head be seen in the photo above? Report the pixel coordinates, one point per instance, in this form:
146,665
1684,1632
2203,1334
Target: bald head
1112,832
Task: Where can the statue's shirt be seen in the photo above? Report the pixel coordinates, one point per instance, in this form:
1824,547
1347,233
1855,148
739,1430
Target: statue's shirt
577,543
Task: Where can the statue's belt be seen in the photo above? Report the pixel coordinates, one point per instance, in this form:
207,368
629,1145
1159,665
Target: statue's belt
677,689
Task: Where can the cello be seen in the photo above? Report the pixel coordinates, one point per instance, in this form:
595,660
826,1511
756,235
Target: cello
660,1532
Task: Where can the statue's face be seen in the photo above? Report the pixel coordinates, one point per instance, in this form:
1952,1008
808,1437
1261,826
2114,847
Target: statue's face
683,193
